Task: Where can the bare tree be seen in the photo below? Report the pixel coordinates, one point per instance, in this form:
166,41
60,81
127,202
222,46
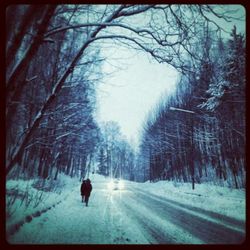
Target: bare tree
166,32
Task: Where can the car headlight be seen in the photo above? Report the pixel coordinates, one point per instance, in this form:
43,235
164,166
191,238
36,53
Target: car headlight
121,185
111,185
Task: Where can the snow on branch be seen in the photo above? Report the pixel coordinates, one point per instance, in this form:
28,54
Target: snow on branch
31,79
140,32
139,10
151,51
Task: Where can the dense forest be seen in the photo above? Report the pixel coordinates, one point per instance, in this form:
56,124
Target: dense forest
198,134
53,65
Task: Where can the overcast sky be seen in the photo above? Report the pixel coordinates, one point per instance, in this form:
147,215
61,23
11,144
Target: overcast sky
127,96
129,93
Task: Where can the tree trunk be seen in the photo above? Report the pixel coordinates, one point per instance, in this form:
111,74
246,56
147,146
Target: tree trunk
57,171
12,85
28,19
235,180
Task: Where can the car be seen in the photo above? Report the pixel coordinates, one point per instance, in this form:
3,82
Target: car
116,184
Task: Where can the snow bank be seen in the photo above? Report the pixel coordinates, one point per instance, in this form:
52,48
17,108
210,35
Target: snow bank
25,198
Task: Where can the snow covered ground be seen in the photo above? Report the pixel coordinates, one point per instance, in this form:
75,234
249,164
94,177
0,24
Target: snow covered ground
142,213
28,197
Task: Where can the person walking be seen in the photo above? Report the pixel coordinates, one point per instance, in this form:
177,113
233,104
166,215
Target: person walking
83,187
87,191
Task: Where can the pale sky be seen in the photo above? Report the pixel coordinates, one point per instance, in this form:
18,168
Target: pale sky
128,95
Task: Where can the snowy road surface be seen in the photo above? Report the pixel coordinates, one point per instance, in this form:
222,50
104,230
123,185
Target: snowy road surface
130,216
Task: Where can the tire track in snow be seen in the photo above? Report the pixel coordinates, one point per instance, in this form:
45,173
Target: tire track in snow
122,228
229,221
210,232
150,229
155,229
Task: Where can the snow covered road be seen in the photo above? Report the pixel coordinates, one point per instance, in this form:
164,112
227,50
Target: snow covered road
130,216
173,222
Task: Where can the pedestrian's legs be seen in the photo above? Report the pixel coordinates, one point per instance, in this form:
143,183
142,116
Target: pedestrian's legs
86,200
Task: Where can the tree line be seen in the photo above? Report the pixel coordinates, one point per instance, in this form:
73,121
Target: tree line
198,133
115,156
50,128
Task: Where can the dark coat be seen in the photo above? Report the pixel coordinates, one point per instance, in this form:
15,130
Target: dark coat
83,187
86,188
